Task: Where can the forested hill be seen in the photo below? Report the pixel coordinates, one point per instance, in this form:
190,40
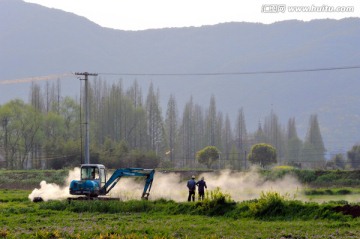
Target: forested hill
37,41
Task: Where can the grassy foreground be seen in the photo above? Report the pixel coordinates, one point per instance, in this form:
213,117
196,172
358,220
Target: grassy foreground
270,216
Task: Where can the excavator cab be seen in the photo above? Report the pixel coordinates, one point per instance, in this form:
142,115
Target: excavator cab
93,172
92,178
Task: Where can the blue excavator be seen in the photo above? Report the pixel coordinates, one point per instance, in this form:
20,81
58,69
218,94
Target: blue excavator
93,181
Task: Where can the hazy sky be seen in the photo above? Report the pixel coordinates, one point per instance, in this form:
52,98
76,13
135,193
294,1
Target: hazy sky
147,14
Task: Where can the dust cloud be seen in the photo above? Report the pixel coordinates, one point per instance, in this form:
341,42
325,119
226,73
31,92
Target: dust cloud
167,186
171,186
240,186
52,191
249,185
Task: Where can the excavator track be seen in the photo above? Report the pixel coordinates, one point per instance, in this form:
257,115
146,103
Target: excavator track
69,199
92,199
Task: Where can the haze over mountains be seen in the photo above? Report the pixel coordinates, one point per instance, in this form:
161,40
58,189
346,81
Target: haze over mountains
37,41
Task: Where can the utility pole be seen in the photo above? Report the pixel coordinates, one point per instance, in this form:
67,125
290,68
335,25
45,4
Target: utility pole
87,117
5,123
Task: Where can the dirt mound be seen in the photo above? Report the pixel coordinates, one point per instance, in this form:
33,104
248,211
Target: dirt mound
353,210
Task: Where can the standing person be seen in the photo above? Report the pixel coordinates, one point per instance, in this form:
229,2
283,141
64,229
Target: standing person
201,187
191,184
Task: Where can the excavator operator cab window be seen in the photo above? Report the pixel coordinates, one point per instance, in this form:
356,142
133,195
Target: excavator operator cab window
102,176
89,173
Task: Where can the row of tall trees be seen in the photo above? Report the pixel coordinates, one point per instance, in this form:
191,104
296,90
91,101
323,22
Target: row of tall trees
127,127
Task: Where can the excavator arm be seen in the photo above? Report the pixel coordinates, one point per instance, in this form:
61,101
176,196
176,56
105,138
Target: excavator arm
130,172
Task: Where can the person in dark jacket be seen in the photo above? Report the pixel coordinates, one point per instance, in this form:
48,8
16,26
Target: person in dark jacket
191,184
201,188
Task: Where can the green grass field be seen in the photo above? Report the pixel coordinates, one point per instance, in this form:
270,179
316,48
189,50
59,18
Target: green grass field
270,216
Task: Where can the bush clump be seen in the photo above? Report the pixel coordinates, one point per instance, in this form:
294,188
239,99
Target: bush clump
273,205
215,203
327,192
269,204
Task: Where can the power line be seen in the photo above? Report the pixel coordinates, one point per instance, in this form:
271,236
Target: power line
236,73
67,74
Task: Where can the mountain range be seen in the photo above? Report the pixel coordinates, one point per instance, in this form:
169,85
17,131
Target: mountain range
244,65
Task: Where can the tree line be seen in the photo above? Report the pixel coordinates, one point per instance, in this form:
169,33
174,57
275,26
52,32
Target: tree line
130,130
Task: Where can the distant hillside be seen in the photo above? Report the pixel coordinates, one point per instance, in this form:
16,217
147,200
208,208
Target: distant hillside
38,41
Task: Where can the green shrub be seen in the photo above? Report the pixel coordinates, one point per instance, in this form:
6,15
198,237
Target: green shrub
327,192
314,192
241,210
343,192
269,204
272,205
325,179
218,196
305,176
215,203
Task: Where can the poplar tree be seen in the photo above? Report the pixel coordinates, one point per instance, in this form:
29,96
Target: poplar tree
314,149
154,120
274,134
219,137
259,136
98,115
171,124
38,104
211,123
187,139
241,137
227,141
52,96
199,128
134,93
234,159
36,98
112,110
294,144
138,130
354,156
